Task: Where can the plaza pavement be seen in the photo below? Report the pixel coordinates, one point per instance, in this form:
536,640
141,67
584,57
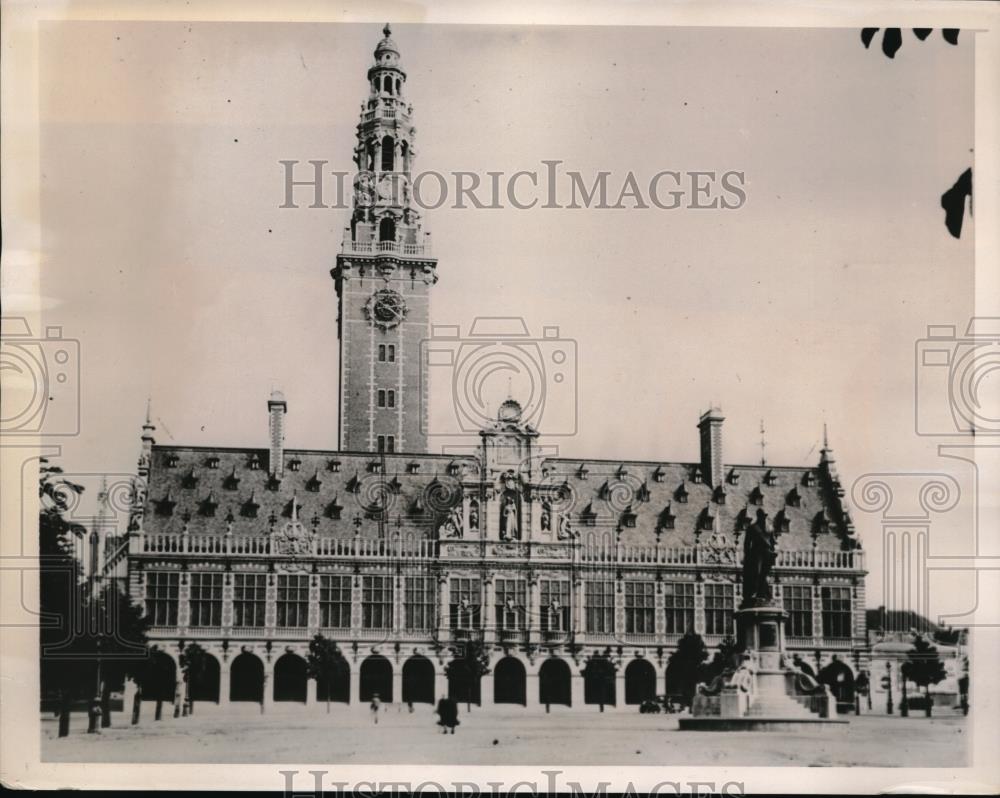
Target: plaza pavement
501,735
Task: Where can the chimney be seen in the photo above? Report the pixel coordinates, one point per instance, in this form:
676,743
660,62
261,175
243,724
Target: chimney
710,428
276,409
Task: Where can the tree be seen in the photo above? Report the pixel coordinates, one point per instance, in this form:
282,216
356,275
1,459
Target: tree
324,663
60,598
469,662
924,667
721,660
684,668
194,663
600,671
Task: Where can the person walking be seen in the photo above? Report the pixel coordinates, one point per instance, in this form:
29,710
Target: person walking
447,711
375,706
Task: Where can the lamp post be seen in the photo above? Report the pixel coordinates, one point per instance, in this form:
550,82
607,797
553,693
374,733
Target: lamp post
94,713
887,683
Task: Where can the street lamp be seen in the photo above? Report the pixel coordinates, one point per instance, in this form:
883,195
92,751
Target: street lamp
887,684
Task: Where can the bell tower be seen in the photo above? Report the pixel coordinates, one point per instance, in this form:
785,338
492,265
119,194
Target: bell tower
383,276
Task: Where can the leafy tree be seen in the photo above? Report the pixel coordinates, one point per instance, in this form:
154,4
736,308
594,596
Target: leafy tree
469,662
194,664
722,659
324,663
600,671
923,667
685,666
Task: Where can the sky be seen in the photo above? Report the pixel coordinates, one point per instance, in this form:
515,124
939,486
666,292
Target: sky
165,251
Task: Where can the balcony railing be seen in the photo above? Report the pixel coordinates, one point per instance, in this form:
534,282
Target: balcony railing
386,247
224,545
707,555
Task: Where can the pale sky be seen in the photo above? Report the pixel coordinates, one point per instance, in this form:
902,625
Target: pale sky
167,256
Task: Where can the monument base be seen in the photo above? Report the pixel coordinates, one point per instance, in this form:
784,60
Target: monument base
762,692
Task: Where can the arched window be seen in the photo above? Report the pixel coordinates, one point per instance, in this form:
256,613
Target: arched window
399,84
387,229
388,154
404,154
387,84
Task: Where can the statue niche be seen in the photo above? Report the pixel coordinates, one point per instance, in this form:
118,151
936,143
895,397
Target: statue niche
510,516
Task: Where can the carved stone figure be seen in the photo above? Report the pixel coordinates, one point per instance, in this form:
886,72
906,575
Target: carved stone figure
758,559
452,527
508,519
474,515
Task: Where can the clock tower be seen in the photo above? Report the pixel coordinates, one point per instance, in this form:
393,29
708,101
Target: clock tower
383,276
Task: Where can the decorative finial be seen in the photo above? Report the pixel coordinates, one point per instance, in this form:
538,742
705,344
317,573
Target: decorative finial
149,410
826,441
387,31
763,444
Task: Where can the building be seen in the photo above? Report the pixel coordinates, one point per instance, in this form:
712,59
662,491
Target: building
573,578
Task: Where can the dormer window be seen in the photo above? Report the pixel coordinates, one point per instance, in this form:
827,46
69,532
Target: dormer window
821,523
719,495
583,472
742,519
333,466
794,498
757,496
250,506
782,523
417,508
643,493
413,468
622,471
659,474
681,494
294,465
208,505
706,520
454,469
667,518
314,483
334,509
375,467
292,506
173,460
696,477
809,479
273,482
254,462
395,485
354,484
734,477
165,506
190,480
588,516
770,478
212,462
232,481
628,518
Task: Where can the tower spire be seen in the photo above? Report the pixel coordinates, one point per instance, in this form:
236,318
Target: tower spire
763,444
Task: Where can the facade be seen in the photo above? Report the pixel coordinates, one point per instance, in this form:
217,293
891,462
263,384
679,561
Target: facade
573,579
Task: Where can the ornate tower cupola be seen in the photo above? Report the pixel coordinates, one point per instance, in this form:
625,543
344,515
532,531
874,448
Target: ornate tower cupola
383,276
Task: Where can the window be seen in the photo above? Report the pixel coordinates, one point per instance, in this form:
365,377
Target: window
381,443
335,601
555,605
640,605
376,602
391,352
510,603
381,353
390,397
387,353
206,600
249,596
293,600
464,601
162,590
418,603
381,398
388,146
836,611
678,605
390,443
797,601
718,609
600,601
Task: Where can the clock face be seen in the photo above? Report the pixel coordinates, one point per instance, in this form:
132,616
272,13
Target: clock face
386,308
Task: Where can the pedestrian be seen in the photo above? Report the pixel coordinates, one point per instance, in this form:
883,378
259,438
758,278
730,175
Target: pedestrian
447,711
375,706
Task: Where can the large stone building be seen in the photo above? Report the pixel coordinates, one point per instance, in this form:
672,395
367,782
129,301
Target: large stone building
574,579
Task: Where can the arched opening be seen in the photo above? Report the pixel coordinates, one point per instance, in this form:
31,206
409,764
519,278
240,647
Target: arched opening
337,685
640,682
841,682
404,154
554,682
388,154
418,680
376,678
399,85
205,683
463,682
509,682
159,678
246,678
599,682
387,229
290,678
387,84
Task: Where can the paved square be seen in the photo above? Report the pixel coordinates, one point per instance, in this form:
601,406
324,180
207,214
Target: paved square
500,736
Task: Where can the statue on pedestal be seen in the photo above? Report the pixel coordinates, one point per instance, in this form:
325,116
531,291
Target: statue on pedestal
759,556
